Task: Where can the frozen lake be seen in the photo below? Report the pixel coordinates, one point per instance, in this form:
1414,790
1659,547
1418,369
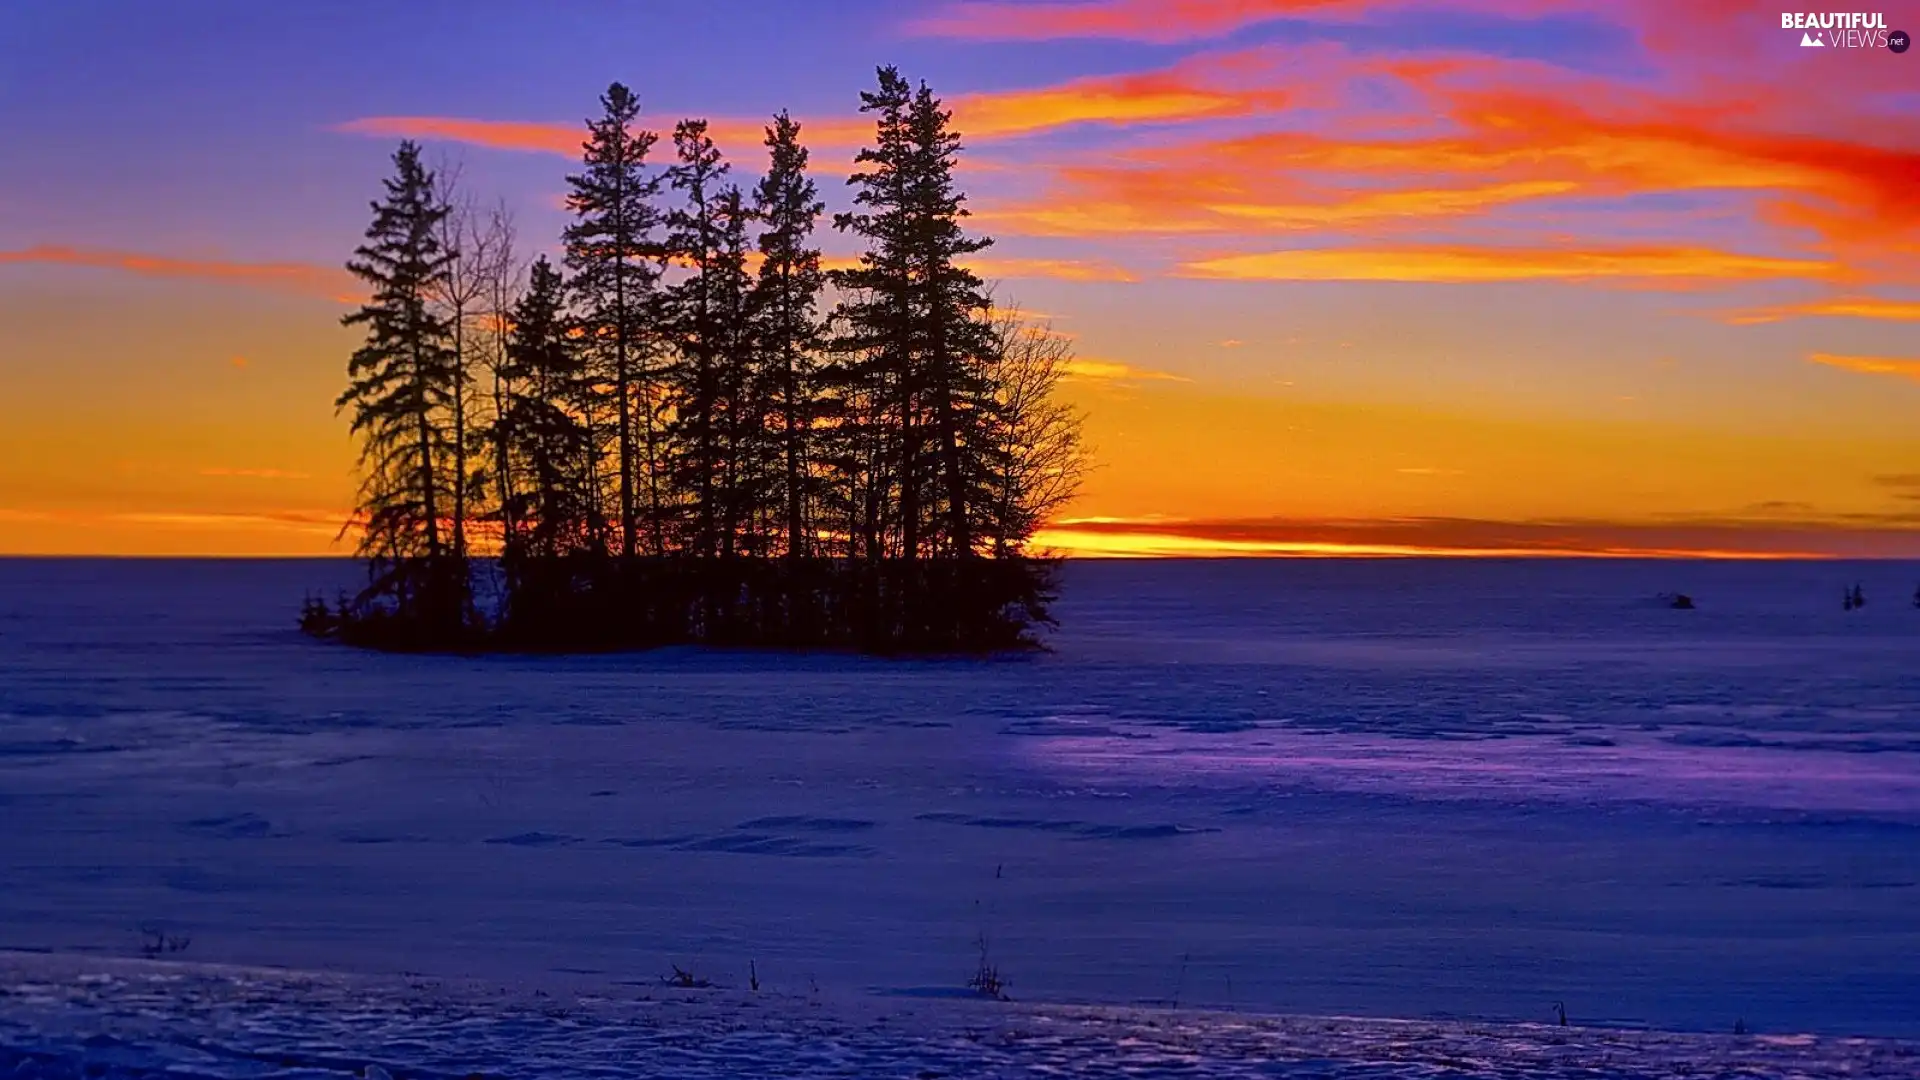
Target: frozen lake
1409,789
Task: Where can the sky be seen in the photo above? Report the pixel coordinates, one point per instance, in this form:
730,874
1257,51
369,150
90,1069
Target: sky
1342,276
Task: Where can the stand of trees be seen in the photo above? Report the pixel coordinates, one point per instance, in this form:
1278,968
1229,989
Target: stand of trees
687,431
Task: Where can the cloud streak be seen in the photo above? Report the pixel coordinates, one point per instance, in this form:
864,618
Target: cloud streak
1092,370
1896,366
1180,94
1463,265
1859,307
303,278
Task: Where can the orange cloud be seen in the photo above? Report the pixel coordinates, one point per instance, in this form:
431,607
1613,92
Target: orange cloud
1900,367
1226,203
1862,307
1062,269
305,278
1080,367
1666,265
255,474
1150,97
493,134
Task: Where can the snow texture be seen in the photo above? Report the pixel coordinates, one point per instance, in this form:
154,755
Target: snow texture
1417,789
124,1019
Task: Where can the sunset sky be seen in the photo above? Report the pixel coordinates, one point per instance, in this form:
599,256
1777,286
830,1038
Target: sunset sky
1343,275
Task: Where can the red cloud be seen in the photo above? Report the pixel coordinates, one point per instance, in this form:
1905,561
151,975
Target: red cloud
1167,21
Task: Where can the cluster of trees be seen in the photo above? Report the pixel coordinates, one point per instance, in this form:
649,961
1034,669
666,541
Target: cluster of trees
688,430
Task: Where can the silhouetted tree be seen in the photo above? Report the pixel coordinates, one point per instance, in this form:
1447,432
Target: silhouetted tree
785,301
875,400
959,395
457,291
693,238
739,381
402,387
1038,455
491,244
547,441
914,327
614,259
873,478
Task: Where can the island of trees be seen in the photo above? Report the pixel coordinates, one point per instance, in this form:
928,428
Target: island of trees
688,431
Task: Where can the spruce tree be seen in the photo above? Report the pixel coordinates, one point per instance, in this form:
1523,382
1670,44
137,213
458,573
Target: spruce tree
402,385
739,409
916,326
785,302
876,401
614,259
693,240
956,337
542,426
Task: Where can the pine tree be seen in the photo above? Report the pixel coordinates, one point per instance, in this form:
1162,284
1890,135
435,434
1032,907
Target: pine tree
957,336
785,301
402,384
542,427
614,257
872,377
915,323
693,240
739,382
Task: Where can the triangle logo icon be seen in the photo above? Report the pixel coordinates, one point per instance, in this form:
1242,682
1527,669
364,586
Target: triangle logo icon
1808,41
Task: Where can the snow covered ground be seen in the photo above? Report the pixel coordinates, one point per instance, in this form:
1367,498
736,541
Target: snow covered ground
109,1020
1408,789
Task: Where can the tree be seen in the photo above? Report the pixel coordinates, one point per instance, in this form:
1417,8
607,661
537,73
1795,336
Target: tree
693,239
666,396
913,325
871,376
1038,456
479,251
614,259
542,430
786,295
738,379
493,243
402,386
957,336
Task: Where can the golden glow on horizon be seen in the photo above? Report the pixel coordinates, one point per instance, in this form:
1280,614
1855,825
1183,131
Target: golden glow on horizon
1108,544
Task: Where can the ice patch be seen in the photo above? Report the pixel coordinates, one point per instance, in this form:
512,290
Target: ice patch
1073,828
535,840
234,827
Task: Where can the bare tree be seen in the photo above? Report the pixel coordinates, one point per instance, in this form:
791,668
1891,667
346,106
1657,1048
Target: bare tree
504,272
1040,458
456,293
